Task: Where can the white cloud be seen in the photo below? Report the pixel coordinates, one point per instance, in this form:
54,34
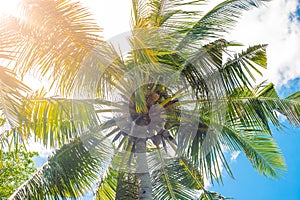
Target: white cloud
234,155
112,15
41,149
276,25
9,7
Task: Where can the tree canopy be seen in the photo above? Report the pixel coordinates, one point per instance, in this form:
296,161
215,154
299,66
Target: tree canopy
16,168
152,121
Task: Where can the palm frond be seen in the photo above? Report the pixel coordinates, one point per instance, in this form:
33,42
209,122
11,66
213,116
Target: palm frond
259,147
207,152
245,127
106,188
140,13
209,195
206,73
9,39
99,72
293,113
169,185
127,186
248,127
55,37
262,105
55,121
200,68
70,171
217,21
238,71
117,185
172,14
12,92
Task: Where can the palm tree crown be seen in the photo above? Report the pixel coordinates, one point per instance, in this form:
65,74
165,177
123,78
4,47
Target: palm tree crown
149,122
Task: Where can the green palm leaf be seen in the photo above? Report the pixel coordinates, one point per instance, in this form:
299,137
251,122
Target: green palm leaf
240,70
212,196
246,128
260,148
12,93
57,40
55,121
169,185
69,172
71,36
217,21
117,185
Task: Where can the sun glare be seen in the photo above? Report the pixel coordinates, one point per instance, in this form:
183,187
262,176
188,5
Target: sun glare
9,7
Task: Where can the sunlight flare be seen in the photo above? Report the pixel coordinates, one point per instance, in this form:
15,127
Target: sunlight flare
9,7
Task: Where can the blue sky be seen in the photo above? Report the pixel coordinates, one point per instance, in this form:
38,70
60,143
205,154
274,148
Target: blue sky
298,10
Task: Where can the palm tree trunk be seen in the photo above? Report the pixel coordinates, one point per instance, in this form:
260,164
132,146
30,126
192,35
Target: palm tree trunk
145,186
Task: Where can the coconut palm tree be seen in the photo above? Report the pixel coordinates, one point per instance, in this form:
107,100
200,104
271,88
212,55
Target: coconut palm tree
152,120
